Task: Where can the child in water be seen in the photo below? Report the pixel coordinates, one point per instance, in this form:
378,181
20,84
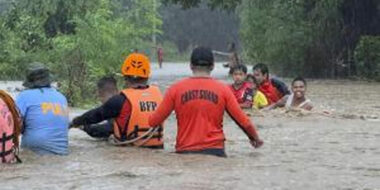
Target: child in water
241,88
259,99
297,99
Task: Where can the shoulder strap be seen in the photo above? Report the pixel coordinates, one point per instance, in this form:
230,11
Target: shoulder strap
304,103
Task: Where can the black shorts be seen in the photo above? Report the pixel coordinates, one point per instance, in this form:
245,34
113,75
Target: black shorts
212,151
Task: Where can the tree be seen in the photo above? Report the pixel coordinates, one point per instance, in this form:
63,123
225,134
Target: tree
199,26
223,4
315,38
79,39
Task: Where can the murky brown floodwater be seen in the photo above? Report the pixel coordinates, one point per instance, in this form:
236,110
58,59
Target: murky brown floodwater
340,150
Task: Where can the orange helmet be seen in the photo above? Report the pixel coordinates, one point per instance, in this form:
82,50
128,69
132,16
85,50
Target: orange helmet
136,65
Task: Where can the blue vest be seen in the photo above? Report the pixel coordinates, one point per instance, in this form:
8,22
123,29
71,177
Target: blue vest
45,117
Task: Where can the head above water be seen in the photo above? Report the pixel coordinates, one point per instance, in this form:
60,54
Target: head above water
107,87
136,65
37,76
250,78
202,60
239,73
260,72
299,87
136,69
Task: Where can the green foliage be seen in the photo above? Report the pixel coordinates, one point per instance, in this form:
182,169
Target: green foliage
80,40
367,55
273,32
285,33
223,4
171,53
314,38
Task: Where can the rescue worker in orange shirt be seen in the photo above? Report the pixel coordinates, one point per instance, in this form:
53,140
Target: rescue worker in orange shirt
199,103
131,108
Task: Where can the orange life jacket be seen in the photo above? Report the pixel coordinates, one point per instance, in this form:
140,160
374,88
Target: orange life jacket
143,103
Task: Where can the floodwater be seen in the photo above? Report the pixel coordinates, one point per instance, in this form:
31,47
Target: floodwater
337,146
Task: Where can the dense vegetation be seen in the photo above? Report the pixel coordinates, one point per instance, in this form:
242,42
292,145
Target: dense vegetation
314,38
81,40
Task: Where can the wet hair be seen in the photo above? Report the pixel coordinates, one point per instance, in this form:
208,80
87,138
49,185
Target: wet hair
239,67
107,84
299,79
250,76
262,67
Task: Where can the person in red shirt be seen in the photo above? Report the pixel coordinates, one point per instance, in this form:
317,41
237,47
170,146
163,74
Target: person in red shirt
199,103
273,89
241,88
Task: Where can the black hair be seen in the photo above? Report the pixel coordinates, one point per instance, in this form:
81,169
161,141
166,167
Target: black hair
107,83
239,67
250,76
262,67
299,79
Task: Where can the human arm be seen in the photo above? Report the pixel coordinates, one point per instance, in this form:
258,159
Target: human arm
163,111
101,130
308,106
237,114
280,103
22,106
108,110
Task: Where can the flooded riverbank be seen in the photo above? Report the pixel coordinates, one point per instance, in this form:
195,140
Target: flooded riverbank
335,150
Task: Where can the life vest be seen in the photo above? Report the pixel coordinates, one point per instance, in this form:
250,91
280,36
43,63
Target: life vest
9,129
143,103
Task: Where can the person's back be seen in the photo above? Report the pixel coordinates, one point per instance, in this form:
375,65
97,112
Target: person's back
199,103
45,116
199,106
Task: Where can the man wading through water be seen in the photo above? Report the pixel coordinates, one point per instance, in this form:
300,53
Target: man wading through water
199,103
131,108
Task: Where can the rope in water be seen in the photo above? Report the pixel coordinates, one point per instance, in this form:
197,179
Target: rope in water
147,135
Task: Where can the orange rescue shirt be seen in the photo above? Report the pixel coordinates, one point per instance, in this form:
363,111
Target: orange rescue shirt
199,104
